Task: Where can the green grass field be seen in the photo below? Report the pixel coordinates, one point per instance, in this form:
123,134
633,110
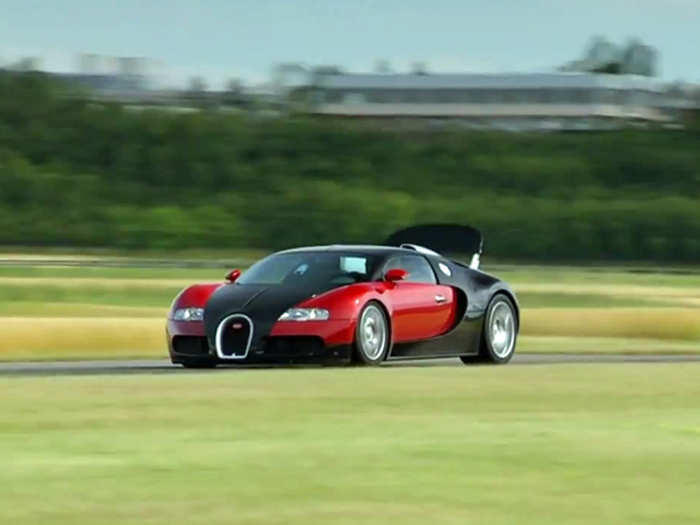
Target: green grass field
102,312
522,444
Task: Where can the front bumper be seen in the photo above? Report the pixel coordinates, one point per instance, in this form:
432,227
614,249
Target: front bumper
287,342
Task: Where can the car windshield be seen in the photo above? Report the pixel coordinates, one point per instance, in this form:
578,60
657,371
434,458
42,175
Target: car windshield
311,269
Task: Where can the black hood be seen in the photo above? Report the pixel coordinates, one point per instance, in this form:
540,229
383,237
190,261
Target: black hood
262,303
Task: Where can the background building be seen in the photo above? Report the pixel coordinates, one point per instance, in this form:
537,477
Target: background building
508,101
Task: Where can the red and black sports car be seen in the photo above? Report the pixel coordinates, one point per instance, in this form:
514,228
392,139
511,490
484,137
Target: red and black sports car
354,303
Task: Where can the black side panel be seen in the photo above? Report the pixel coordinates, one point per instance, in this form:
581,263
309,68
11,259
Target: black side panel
479,286
463,340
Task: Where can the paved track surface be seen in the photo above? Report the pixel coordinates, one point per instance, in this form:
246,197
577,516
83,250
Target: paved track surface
163,366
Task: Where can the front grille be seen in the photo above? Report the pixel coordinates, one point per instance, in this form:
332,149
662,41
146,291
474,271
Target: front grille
190,345
233,337
294,346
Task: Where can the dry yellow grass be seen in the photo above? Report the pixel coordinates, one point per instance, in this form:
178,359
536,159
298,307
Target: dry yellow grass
56,337
78,310
95,282
102,313
652,323
606,289
553,330
549,344
630,290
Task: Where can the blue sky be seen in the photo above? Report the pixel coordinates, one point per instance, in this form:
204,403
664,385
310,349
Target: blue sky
220,39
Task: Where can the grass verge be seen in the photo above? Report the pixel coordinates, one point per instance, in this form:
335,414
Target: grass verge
540,444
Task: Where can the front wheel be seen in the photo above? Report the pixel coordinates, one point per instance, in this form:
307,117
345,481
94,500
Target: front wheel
499,333
371,335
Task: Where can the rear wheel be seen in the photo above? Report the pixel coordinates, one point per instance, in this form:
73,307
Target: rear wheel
371,335
499,334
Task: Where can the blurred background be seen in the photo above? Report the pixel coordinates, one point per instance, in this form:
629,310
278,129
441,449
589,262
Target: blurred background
149,145
136,137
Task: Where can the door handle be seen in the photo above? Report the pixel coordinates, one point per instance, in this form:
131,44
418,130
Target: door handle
440,299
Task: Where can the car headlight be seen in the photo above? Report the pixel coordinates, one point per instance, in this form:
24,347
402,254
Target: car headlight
304,314
189,314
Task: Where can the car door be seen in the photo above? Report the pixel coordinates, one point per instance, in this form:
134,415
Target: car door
421,308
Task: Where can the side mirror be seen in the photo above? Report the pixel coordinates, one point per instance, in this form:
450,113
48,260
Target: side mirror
395,274
233,275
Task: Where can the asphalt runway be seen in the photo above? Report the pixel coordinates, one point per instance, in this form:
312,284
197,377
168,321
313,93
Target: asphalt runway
163,366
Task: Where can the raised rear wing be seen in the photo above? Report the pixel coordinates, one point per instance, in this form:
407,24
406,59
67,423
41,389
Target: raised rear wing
450,238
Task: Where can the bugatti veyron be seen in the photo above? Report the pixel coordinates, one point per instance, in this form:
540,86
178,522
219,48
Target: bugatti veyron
351,303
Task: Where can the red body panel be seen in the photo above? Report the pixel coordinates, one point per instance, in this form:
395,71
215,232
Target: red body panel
412,307
344,305
185,328
414,312
333,332
195,296
417,314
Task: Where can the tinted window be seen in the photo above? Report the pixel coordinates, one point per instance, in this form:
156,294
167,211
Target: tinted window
419,271
314,269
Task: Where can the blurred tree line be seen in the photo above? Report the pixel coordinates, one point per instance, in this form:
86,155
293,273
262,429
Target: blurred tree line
76,173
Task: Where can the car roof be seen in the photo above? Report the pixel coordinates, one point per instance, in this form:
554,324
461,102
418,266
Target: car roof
354,248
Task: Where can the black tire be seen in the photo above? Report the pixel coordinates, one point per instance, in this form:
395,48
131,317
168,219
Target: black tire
198,363
493,349
372,335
